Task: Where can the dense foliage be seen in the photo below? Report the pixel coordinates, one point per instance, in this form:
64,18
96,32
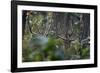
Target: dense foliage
50,36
